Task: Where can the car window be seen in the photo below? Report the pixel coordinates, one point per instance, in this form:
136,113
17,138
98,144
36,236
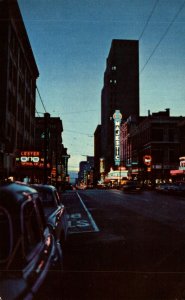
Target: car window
40,213
47,198
5,234
31,227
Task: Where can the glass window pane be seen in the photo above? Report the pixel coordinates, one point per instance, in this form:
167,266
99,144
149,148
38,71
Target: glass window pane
5,235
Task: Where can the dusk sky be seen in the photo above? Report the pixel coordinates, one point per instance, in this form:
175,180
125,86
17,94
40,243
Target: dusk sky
71,40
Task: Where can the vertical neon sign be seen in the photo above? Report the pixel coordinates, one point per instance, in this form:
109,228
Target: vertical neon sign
117,116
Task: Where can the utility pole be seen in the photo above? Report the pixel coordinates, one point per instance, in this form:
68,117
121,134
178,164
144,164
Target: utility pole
46,145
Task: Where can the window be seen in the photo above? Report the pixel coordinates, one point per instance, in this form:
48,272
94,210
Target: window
6,234
157,134
157,156
31,227
46,197
171,134
173,157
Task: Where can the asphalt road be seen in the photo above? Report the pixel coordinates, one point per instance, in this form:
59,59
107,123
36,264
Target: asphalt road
122,246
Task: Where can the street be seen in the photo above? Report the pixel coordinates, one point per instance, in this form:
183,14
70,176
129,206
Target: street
122,246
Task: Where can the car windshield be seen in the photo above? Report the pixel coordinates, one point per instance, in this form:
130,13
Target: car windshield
132,183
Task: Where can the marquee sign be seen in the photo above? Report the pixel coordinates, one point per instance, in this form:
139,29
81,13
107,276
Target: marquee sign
117,116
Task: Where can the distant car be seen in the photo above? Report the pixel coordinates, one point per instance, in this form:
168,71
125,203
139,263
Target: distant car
178,188
54,211
163,187
166,188
28,250
132,187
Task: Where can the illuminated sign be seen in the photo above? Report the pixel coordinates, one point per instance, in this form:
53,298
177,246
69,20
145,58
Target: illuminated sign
117,116
102,165
147,160
182,163
30,153
30,159
33,159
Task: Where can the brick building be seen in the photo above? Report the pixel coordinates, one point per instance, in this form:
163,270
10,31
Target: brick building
153,145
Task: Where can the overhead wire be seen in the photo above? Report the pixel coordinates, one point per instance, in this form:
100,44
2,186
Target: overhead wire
89,135
163,36
41,99
37,112
148,20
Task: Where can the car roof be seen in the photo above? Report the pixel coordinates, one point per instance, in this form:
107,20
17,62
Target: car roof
15,193
44,187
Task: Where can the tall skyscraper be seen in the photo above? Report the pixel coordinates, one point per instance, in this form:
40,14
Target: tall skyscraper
120,92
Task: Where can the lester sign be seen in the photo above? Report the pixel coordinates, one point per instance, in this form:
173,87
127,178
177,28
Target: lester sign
29,159
117,121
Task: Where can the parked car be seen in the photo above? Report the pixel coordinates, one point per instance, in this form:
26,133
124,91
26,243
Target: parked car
176,188
163,187
28,250
132,186
54,210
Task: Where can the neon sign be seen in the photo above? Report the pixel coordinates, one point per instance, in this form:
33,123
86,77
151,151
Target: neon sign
102,165
147,159
117,116
33,159
30,159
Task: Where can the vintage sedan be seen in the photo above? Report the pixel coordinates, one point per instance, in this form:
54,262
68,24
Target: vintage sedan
132,186
54,210
28,250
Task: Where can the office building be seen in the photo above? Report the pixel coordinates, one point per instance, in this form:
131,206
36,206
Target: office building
120,92
18,74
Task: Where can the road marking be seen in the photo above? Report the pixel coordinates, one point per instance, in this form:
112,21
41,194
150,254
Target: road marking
79,223
96,229
75,220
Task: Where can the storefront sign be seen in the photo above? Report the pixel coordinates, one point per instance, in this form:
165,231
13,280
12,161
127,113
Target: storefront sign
30,159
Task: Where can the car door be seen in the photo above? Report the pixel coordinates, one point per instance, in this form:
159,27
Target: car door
39,248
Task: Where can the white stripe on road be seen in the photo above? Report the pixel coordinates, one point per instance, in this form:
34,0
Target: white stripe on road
89,215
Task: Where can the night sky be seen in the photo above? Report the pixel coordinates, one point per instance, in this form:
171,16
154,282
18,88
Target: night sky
71,40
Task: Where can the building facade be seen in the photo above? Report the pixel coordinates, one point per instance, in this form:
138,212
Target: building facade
97,153
153,146
18,74
86,172
120,92
48,140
